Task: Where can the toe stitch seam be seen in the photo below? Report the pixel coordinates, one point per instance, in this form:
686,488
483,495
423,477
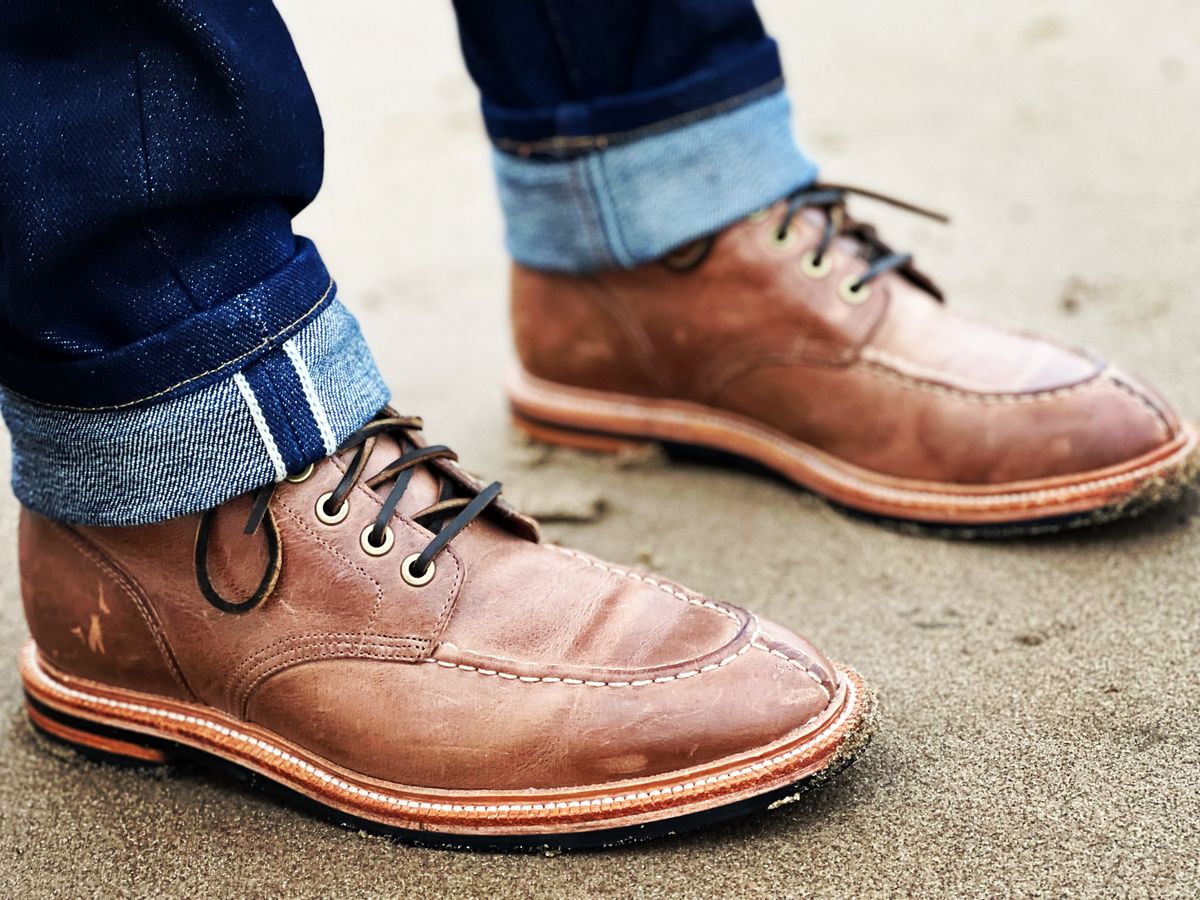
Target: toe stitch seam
882,364
587,682
1164,426
679,594
804,665
755,642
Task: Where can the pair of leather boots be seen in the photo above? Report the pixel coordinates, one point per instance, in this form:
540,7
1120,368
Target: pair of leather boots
385,636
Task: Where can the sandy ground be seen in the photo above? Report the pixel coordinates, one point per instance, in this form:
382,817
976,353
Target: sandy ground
1040,730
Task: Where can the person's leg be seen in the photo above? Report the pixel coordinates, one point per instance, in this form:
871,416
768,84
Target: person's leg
624,129
372,628
166,342
633,142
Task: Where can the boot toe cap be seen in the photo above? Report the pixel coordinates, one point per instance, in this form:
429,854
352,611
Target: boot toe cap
1111,420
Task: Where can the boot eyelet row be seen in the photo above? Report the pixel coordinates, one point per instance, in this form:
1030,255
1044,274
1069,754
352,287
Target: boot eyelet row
331,518
850,294
411,577
372,549
814,268
302,476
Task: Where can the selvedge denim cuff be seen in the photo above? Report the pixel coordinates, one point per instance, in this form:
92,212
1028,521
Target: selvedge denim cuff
188,452
634,202
569,128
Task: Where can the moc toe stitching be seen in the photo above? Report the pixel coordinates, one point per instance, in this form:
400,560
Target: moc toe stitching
680,672
876,366
798,660
738,615
883,363
1144,423
450,655
1154,408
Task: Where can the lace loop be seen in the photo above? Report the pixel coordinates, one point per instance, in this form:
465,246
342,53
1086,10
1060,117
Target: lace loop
363,441
831,198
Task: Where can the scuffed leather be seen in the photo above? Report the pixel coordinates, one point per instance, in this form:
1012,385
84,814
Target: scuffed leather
520,665
898,384
88,616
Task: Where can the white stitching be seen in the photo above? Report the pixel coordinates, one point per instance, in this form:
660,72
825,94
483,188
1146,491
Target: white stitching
260,423
791,660
986,399
310,394
850,708
665,588
551,679
898,363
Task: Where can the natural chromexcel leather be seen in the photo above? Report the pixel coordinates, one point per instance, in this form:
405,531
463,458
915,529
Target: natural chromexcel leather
897,384
518,666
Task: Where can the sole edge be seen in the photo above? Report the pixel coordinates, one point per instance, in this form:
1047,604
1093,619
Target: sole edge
842,739
582,419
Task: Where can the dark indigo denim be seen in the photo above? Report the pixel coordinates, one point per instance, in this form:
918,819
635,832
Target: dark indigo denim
625,128
551,69
167,342
152,154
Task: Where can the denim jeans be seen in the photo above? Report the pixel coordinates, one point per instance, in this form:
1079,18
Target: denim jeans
167,342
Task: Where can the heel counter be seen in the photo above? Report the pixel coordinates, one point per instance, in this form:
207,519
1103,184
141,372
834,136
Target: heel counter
87,617
568,329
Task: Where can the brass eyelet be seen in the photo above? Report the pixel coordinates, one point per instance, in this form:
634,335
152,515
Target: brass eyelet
406,571
784,241
848,293
813,269
377,550
302,476
759,214
331,518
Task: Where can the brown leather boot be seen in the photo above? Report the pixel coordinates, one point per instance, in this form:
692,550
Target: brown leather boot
796,338
386,637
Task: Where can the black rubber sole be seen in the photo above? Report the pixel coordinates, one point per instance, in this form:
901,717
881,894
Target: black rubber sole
547,843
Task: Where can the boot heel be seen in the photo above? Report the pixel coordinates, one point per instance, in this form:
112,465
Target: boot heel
590,441
95,741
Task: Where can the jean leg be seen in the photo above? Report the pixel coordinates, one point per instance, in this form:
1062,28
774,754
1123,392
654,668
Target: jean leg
627,128
165,338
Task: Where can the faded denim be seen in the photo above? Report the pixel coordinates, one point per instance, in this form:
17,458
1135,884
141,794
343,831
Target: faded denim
167,342
562,77
634,202
195,450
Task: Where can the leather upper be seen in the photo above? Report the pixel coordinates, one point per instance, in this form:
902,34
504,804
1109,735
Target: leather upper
894,382
519,665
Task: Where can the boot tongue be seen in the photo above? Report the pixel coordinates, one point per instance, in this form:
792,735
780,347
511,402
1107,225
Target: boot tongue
848,244
871,250
859,238
436,480
423,488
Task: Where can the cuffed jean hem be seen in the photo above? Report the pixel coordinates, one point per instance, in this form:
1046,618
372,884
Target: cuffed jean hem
204,348
289,407
572,128
635,202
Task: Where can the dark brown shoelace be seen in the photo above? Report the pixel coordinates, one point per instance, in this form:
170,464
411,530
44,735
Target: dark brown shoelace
434,517
831,199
